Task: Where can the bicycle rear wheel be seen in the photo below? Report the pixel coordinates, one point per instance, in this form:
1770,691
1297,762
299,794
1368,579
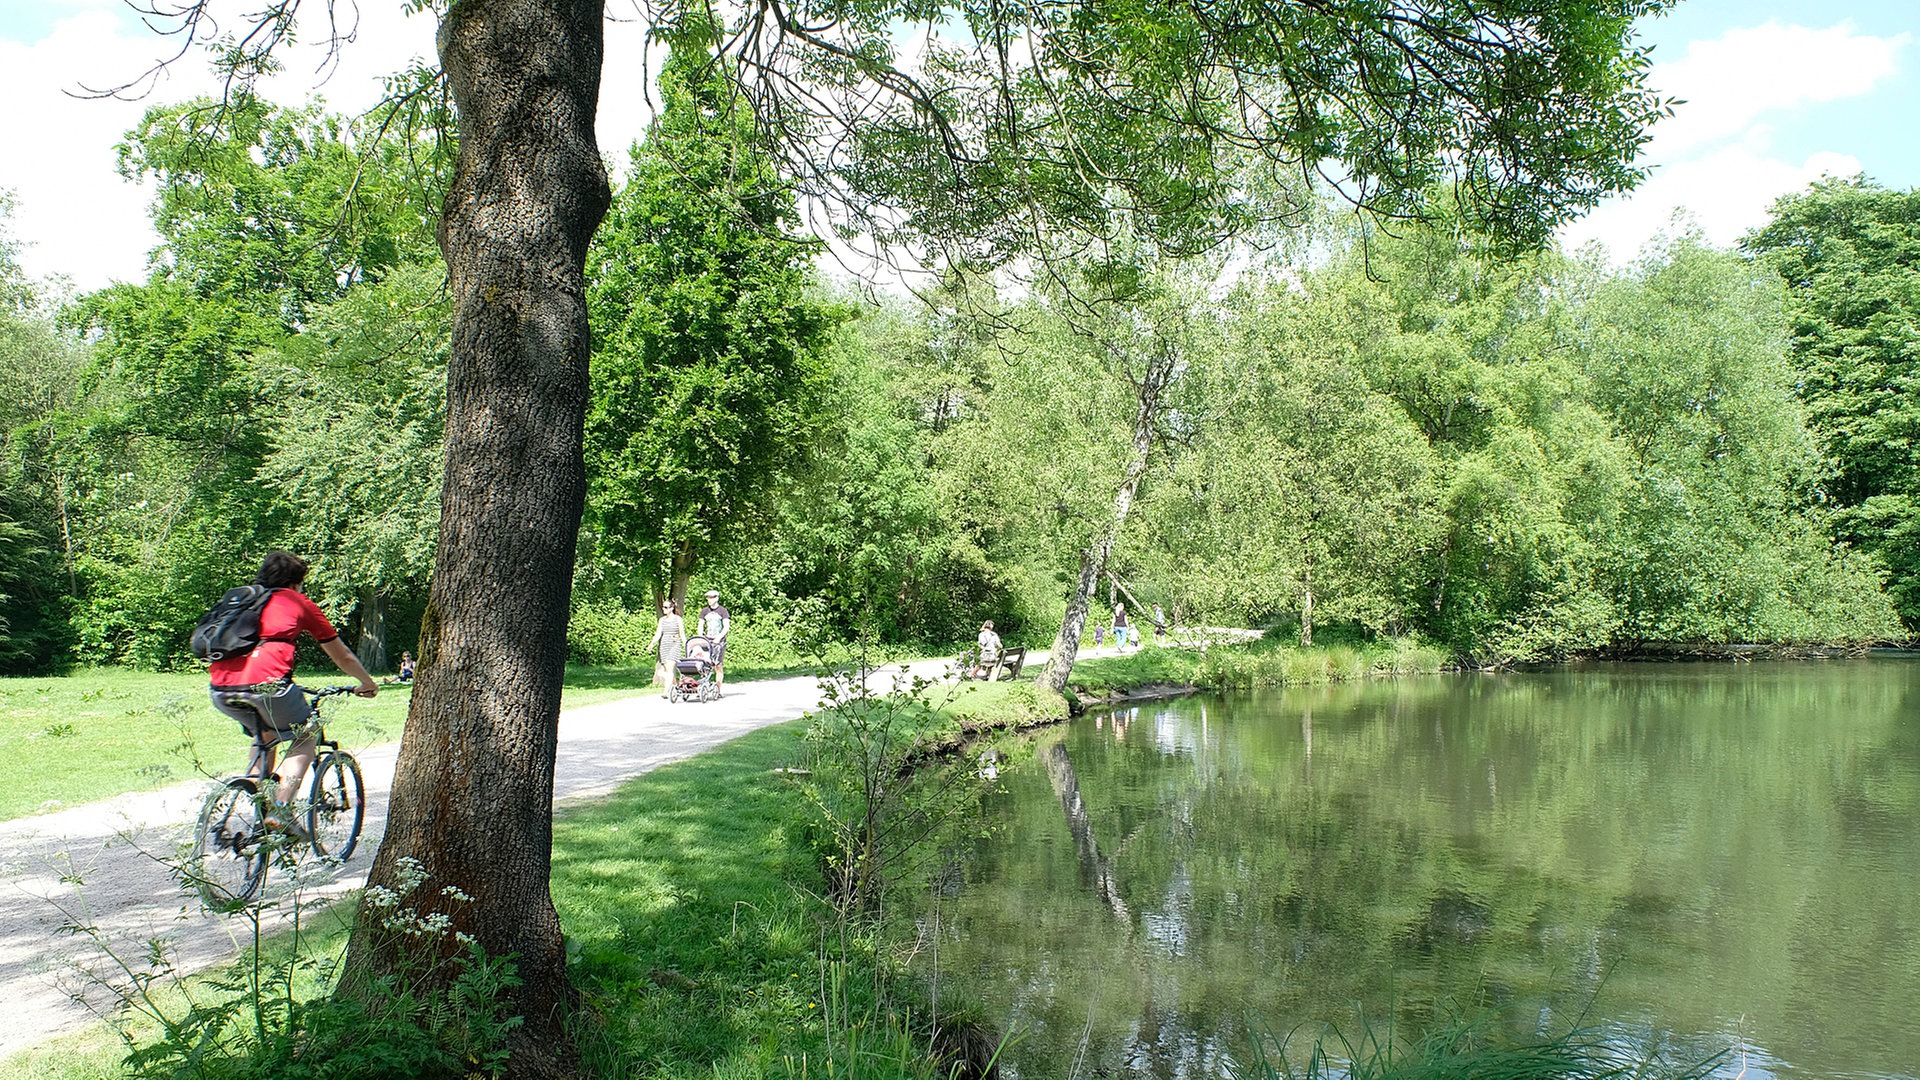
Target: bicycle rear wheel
229,857
336,806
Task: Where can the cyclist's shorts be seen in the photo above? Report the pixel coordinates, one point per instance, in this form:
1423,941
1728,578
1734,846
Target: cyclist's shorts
286,710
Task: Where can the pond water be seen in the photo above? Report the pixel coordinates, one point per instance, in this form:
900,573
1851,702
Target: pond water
1714,858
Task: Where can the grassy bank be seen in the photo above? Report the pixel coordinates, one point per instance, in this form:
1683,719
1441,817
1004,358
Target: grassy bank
1256,664
698,931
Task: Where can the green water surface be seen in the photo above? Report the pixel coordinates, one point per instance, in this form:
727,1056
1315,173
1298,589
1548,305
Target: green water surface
1718,858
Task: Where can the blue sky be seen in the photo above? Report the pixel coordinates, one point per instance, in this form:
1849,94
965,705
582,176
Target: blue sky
1777,93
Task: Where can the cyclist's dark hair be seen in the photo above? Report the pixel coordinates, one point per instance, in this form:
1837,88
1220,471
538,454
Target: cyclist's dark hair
281,570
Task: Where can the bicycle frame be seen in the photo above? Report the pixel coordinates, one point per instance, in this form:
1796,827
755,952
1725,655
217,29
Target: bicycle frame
314,727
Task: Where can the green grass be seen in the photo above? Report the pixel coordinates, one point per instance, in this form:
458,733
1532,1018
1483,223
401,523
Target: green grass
695,932
1147,667
1258,663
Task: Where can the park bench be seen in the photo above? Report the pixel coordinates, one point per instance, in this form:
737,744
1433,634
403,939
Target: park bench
1005,666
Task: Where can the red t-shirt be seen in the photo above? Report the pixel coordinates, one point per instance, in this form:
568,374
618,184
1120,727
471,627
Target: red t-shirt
288,614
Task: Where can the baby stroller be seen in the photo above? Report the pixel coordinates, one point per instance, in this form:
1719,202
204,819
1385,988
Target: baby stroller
693,674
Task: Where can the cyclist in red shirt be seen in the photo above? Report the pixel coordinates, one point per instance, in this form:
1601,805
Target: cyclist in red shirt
260,683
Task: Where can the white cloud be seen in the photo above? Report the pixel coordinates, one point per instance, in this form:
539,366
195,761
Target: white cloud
1733,80
1714,160
75,214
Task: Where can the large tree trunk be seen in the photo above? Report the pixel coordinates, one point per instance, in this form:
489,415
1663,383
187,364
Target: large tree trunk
372,646
682,571
472,797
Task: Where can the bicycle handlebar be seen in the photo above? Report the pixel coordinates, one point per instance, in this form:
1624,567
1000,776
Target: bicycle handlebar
326,691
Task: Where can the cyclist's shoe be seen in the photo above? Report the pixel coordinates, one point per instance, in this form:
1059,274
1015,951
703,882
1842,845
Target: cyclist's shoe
285,819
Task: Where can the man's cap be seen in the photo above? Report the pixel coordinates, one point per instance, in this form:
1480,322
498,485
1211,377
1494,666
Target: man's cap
713,592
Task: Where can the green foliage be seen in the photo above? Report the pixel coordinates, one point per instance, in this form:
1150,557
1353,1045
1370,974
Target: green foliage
1154,117
1849,253
277,209
872,534
34,629
604,632
278,382
881,801
358,445
1519,457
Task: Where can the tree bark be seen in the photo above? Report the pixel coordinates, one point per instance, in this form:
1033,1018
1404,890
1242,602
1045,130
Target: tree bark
682,571
372,647
472,799
1306,604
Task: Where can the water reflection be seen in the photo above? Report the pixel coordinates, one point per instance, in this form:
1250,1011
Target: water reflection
1722,858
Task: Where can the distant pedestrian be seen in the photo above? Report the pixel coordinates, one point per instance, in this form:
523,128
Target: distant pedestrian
1121,628
1159,626
1099,634
669,637
715,622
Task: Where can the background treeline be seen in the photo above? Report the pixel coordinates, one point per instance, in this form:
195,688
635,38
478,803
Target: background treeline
1515,457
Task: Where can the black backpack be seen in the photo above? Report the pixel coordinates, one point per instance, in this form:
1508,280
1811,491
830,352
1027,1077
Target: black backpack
232,626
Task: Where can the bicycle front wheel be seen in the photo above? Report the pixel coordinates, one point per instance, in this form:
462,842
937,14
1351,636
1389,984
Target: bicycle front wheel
229,859
336,806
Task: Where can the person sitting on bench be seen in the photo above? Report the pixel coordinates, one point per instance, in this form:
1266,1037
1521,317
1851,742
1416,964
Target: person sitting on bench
989,650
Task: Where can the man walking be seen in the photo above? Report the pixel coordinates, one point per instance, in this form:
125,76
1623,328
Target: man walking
715,622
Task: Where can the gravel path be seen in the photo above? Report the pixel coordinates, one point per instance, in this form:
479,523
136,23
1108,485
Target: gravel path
100,864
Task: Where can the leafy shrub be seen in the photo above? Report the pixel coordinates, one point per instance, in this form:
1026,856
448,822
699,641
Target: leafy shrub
604,632
1266,663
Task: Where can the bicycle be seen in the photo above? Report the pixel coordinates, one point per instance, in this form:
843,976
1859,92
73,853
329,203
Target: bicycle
233,838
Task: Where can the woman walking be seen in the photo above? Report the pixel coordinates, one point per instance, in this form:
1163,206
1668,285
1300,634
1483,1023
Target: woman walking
670,637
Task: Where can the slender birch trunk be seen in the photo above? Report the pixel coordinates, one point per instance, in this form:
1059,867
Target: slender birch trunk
1093,559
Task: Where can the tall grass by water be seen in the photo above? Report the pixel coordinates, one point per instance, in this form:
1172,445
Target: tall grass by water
1263,663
